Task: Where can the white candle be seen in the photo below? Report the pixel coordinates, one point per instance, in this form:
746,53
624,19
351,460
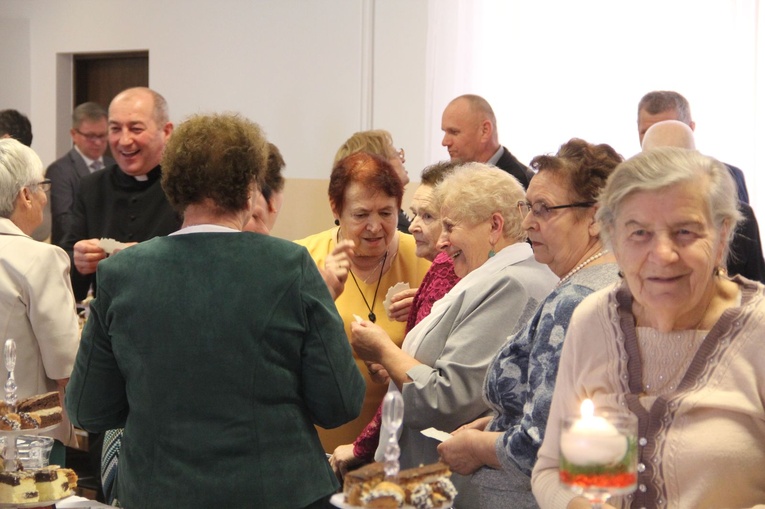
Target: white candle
592,440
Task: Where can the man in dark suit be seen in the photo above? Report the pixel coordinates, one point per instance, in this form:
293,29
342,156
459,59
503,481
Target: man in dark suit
89,135
661,105
470,135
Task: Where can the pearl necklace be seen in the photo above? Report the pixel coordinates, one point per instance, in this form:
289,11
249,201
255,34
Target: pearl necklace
581,266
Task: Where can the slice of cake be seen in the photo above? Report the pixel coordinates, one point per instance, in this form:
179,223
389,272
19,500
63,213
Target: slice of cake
30,421
424,487
385,495
52,483
359,482
10,422
71,477
18,488
48,416
40,402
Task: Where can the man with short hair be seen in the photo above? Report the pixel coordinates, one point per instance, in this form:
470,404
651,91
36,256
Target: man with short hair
14,124
89,138
745,247
470,135
662,105
125,201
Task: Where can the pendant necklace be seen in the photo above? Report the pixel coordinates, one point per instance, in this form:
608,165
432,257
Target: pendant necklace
372,317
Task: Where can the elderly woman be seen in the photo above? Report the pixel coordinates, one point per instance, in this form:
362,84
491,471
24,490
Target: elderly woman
268,202
217,401
37,306
365,196
426,230
500,450
677,343
380,142
442,364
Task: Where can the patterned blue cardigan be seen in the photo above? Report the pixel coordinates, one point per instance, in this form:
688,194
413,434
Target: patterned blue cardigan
520,381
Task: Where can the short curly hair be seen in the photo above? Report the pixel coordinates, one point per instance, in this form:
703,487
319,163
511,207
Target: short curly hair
582,167
475,191
273,181
369,170
216,157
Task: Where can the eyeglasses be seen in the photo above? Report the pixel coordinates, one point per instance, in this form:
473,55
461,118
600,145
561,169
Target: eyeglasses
44,185
91,136
542,211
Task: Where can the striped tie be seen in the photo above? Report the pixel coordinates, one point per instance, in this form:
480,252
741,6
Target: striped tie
95,166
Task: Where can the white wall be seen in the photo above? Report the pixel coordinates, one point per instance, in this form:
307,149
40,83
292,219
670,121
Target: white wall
293,66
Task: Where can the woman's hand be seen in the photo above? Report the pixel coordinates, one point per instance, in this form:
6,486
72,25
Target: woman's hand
369,341
459,452
478,424
377,373
343,459
336,267
401,304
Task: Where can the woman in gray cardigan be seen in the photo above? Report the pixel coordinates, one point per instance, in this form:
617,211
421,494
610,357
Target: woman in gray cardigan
441,366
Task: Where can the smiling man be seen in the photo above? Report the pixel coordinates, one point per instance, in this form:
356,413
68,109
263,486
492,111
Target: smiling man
125,201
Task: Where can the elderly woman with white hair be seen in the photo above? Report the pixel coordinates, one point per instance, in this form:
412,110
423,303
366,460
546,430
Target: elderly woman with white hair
677,343
440,368
37,307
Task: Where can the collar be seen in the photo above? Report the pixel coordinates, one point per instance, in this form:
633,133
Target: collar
205,228
8,227
497,155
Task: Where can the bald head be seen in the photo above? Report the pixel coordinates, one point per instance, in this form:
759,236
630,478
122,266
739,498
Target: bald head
470,129
668,133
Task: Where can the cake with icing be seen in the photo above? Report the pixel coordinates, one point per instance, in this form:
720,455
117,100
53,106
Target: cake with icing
40,402
386,495
54,482
18,488
424,487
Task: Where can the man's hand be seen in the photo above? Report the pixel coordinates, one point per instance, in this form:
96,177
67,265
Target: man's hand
87,254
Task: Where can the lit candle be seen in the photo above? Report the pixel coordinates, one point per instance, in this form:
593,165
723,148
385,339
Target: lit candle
592,440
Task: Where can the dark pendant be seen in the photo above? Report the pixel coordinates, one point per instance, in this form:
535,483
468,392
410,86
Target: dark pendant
372,317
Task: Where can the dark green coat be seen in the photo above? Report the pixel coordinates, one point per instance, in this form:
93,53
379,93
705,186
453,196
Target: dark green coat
217,352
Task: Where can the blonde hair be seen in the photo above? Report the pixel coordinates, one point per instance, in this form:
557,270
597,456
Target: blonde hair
475,191
377,141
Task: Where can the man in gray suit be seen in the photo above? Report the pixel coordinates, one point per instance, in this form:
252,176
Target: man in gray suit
89,134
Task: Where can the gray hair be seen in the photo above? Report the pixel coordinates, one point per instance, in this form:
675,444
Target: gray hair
660,101
661,168
20,166
475,191
87,111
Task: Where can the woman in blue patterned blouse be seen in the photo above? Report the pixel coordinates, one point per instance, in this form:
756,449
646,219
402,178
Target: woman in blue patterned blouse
559,216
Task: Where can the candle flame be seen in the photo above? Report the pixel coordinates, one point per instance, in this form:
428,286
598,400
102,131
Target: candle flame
587,408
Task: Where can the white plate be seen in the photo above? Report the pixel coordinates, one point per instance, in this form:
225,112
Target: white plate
338,500
44,503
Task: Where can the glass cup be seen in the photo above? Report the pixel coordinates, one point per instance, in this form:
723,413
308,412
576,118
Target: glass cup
33,451
598,455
